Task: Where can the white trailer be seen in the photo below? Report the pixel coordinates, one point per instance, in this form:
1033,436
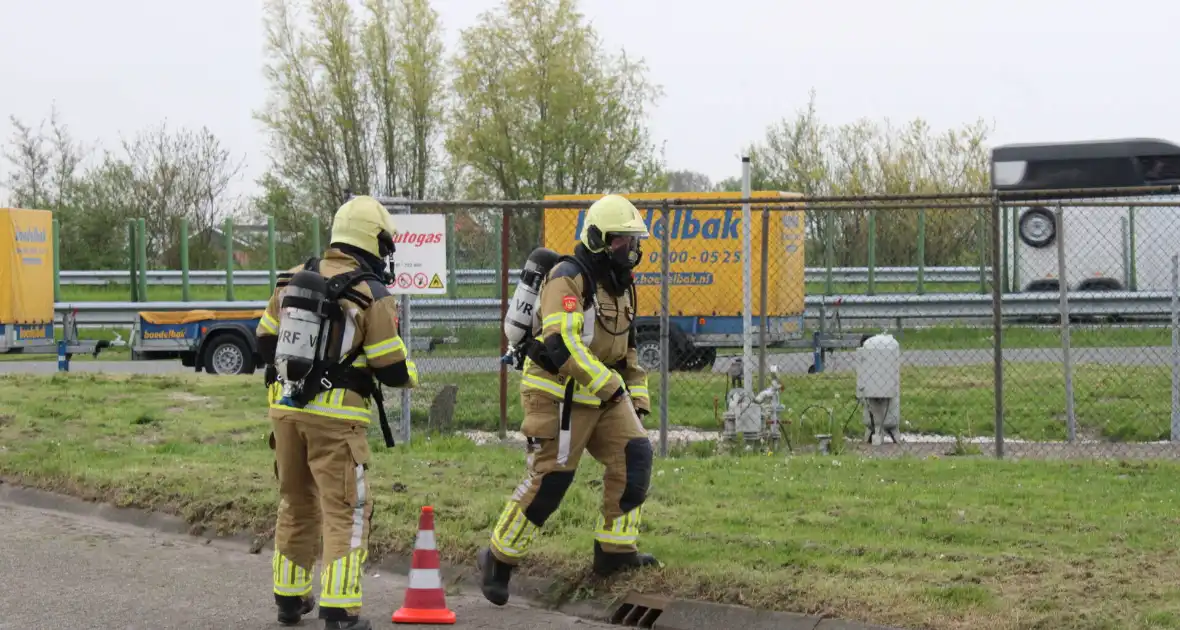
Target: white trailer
1110,244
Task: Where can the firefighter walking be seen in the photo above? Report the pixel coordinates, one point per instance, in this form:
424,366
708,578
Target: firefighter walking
328,331
582,390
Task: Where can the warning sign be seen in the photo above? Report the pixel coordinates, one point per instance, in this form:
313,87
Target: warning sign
420,262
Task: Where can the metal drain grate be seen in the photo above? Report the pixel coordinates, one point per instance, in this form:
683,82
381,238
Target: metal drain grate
638,611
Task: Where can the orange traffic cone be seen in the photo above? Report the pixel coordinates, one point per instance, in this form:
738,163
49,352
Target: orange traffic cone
425,600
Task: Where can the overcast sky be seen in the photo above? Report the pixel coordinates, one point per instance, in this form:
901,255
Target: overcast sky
1039,70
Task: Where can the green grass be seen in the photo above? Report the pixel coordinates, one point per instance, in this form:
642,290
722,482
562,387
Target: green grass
940,543
1116,404
1113,403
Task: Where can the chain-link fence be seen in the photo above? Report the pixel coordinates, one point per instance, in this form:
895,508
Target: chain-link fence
910,278
872,363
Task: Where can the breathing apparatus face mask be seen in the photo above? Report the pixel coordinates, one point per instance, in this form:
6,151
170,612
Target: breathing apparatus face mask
623,251
386,249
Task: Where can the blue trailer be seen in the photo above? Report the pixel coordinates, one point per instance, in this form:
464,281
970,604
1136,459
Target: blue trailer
218,342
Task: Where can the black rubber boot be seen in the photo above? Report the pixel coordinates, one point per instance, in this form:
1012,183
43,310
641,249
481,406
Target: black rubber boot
608,564
355,623
495,577
292,608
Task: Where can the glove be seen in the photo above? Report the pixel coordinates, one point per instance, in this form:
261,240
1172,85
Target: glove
616,396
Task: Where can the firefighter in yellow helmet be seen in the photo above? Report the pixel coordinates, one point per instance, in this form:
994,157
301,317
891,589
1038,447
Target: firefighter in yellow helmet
329,330
582,390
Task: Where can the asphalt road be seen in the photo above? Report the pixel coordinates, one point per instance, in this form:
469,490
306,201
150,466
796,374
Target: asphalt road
788,362
66,571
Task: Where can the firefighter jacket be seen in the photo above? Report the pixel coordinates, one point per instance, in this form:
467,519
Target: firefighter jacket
383,353
592,344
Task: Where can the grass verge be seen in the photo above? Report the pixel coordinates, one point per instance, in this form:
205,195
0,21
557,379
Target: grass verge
940,543
1115,403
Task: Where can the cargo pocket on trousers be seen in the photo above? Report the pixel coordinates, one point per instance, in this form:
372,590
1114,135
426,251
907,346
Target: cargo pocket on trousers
356,491
271,441
542,417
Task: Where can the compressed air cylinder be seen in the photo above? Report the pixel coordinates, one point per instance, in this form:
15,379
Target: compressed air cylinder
299,328
523,310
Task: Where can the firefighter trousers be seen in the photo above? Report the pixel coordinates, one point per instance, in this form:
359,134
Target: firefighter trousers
557,433
323,491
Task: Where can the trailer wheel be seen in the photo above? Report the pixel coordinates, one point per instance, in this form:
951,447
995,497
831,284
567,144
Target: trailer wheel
647,347
228,354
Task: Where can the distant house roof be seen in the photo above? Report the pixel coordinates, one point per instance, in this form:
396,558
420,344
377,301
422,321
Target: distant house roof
248,235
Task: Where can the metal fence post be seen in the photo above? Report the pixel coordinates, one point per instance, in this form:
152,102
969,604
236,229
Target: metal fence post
763,320
502,277
229,259
1175,347
184,287
56,261
132,260
315,237
406,333
998,226
271,255
829,251
1132,237
141,255
452,246
921,252
872,254
1063,292
983,254
747,281
665,325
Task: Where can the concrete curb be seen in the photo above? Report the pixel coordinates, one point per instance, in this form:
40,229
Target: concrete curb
687,615
537,592
635,610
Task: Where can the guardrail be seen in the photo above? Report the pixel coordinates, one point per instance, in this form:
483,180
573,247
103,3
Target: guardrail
941,306
254,277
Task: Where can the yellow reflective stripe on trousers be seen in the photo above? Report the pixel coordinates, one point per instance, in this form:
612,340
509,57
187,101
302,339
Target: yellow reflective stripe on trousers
268,323
383,348
289,578
624,531
514,532
341,580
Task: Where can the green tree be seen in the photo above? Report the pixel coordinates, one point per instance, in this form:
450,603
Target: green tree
802,154
355,101
541,108
160,175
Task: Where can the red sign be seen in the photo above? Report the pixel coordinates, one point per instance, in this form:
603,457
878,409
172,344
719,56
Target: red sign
569,303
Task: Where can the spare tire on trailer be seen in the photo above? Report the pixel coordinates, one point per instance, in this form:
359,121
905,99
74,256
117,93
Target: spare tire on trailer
647,349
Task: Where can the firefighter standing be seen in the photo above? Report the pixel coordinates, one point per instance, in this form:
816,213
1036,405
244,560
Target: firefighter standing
321,449
583,389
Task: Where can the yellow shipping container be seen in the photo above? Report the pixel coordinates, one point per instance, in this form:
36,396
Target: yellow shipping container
26,266
705,253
